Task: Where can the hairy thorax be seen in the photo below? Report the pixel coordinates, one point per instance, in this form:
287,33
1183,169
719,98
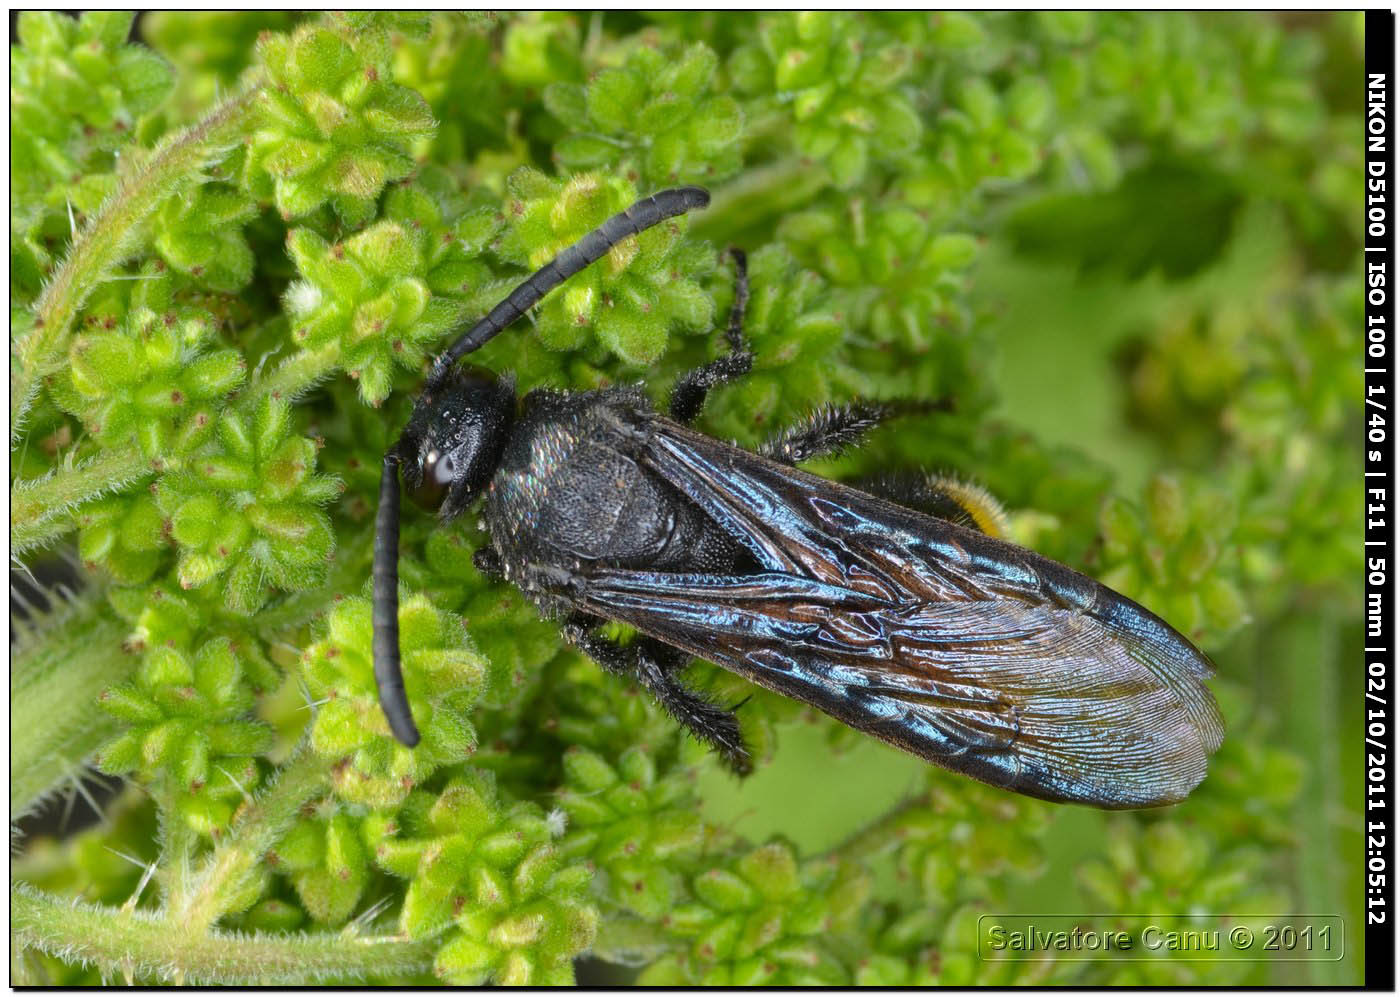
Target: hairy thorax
570,493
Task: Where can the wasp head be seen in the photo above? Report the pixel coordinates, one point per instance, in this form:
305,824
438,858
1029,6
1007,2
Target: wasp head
455,437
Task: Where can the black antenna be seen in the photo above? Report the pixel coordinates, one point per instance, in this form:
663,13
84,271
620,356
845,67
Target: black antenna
638,218
388,672
388,669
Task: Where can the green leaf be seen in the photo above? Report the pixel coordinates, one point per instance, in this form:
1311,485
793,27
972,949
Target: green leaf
566,101
109,28
319,59
45,31
614,96
145,78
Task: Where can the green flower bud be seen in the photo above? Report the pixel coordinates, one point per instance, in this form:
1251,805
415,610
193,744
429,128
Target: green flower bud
724,891
120,755
125,534
274,916
348,124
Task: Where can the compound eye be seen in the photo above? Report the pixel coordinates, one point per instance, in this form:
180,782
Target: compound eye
437,475
444,470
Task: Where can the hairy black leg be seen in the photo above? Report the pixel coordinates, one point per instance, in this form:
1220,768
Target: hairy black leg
734,332
651,665
671,659
714,725
487,562
831,429
959,502
688,396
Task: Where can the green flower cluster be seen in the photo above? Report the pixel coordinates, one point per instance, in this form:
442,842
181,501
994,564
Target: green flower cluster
78,94
248,510
153,379
1173,77
1176,553
1273,776
1172,866
488,874
654,118
966,841
515,643
189,726
795,335
634,825
1279,399
631,300
125,535
156,616
383,297
442,672
603,716
958,852
327,861
200,234
838,85
763,918
987,137
334,127
900,282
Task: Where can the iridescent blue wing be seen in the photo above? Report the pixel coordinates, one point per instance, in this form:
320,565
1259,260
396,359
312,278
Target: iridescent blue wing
967,651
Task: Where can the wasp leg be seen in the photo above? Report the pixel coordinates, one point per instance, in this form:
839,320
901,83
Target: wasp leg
651,664
831,429
487,561
688,396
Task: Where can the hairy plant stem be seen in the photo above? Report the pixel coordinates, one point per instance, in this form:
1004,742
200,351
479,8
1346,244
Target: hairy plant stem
178,845
112,235
882,834
214,889
39,507
63,657
143,945
296,374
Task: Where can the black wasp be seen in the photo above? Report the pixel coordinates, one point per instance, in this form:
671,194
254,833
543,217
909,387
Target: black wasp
959,647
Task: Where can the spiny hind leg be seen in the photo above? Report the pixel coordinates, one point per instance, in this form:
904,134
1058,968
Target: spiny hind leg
833,428
652,665
688,396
